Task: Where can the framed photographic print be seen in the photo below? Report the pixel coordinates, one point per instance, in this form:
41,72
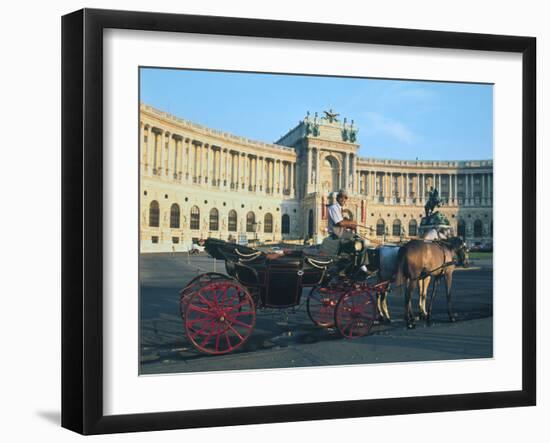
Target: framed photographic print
270,221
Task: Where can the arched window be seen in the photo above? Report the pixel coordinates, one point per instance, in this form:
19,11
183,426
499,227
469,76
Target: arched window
232,221
268,223
214,220
250,221
413,226
380,227
285,224
154,214
396,228
461,229
478,229
195,218
175,216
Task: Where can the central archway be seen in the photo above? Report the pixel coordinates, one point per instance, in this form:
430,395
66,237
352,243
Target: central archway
330,174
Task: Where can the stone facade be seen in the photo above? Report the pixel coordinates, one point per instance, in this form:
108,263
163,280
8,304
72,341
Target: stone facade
197,182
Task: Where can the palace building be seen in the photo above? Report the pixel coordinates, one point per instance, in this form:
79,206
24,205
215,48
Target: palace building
198,182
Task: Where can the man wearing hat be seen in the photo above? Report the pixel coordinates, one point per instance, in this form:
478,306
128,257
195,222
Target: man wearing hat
342,229
338,227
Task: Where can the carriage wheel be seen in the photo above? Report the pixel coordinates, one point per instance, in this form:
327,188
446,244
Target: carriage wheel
219,317
355,313
321,304
195,284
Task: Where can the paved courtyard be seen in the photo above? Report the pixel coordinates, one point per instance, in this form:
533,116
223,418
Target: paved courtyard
288,338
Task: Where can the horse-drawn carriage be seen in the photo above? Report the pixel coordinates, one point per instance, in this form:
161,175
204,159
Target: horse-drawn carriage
219,310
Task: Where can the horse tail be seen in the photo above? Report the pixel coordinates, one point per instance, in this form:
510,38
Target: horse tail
400,276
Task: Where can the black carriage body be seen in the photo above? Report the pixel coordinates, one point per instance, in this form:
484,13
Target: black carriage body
275,280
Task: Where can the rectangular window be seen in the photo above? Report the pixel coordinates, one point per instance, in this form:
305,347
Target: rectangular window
175,239
155,239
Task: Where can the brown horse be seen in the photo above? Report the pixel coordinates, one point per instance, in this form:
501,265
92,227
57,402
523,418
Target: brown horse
419,260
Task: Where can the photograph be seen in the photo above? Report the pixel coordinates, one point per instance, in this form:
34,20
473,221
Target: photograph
289,220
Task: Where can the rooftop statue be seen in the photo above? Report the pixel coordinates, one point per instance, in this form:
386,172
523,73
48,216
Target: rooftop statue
331,116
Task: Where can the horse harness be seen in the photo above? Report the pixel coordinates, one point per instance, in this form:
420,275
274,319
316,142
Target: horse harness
445,264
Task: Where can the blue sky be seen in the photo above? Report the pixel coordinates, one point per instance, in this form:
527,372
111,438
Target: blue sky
396,119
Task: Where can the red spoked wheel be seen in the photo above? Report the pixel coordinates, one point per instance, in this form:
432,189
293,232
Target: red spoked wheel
321,304
355,313
219,317
195,284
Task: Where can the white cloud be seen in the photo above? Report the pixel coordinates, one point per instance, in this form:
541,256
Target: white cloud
376,123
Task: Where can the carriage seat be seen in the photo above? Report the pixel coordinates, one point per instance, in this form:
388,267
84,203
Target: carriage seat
330,247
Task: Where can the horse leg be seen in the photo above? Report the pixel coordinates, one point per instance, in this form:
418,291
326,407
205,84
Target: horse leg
384,306
432,297
423,286
409,288
448,283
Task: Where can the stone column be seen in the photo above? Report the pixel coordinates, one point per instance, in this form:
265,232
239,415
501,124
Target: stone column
206,165
228,170
163,154
406,189
483,194
291,179
490,188
233,169
455,176
295,179
451,196
154,162
182,158
352,173
244,175
213,161
309,168
391,187
345,172
173,158
261,185
196,161
200,175
238,169
281,184
221,167
317,169
145,136
273,181
267,175
255,181
188,159
466,189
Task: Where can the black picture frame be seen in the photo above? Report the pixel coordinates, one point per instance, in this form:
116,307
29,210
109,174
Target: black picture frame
82,216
